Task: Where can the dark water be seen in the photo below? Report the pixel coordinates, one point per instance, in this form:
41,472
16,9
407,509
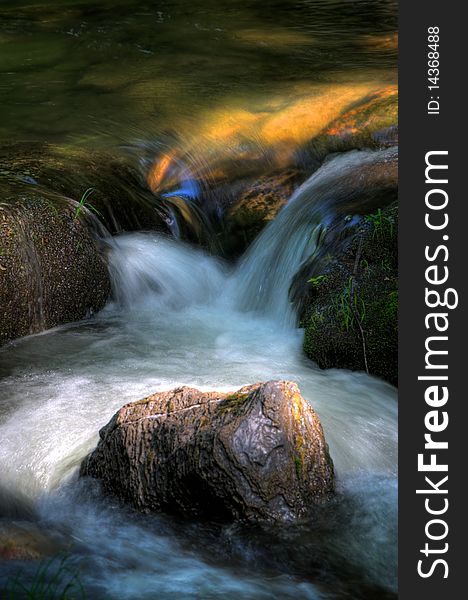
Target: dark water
115,71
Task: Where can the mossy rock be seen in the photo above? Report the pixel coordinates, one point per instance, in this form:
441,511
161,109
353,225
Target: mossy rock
51,270
350,312
119,196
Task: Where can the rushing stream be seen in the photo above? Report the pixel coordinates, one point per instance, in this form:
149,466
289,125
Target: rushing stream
208,89
179,317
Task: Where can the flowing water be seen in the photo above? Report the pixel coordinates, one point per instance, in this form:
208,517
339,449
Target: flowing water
206,85
121,71
179,317
343,185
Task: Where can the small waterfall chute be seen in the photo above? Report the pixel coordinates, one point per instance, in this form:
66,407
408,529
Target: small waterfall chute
354,182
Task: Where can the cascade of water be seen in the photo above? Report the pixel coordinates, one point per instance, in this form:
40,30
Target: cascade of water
162,272
180,317
266,271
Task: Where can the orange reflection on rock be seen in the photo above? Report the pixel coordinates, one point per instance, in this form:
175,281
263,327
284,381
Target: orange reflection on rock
379,110
304,118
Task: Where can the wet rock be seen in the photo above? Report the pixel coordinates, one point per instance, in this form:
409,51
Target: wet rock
257,205
51,270
258,454
370,123
25,541
120,196
386,137
348,296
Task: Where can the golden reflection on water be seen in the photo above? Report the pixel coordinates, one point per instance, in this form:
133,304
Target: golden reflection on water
380,42
275,128
208,81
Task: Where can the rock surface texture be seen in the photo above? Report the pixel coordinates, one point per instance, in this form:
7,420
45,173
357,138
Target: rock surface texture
257,206
51,270
350,297
258,454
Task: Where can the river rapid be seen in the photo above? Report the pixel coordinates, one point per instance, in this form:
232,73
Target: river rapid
212,88
180,316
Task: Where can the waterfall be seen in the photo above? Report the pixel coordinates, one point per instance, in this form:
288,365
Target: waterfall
183,317
351,181
162,272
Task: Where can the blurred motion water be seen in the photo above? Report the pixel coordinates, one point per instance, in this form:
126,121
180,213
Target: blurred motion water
124,70
199,85
176,321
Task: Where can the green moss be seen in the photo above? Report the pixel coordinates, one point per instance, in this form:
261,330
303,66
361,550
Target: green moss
352,317
238,397
391,307
298,466
233,403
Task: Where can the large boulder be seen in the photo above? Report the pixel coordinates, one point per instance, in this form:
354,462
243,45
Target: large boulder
51,268
258,454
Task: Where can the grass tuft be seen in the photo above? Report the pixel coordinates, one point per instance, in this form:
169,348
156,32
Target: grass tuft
54,580
84,203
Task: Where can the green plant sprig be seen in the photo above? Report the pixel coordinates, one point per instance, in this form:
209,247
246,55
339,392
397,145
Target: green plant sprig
316,280
84,203
63,584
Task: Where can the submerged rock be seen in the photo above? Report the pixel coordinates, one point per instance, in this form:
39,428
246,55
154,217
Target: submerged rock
258,454
22,540
257,205
51,271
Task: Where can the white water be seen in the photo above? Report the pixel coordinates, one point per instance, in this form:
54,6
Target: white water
177,321
268,266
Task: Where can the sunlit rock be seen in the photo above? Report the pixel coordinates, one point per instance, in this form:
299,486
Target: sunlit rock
256,454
